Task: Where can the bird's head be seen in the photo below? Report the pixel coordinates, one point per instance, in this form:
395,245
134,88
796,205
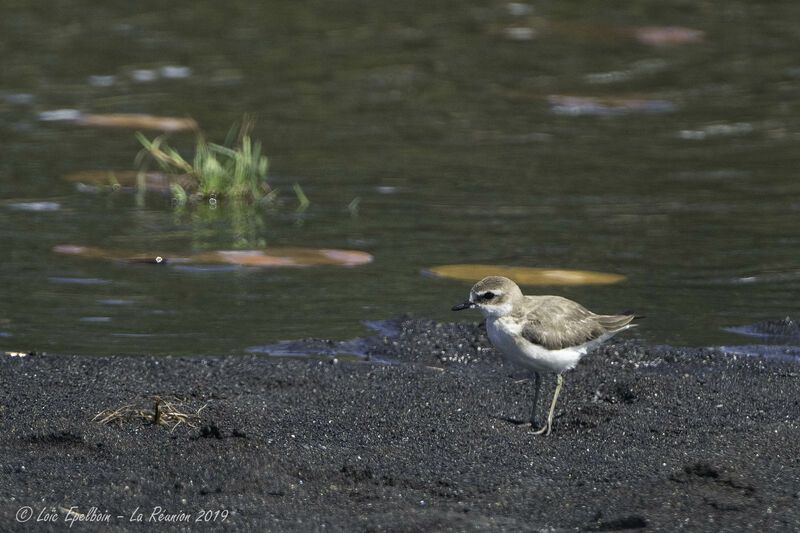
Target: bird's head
494,296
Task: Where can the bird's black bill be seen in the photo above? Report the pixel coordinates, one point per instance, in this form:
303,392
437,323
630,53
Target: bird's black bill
461,307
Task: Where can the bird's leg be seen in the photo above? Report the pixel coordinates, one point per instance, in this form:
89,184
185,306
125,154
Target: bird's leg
549,425
553,405
537,382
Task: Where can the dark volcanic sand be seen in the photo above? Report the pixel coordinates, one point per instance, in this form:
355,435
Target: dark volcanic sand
660,439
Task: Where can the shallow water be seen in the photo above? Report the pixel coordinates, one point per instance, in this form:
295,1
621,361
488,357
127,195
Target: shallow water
679,172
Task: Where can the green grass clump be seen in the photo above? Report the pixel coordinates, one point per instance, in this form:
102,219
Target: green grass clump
234,170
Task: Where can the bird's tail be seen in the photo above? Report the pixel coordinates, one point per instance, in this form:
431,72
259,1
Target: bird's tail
617,322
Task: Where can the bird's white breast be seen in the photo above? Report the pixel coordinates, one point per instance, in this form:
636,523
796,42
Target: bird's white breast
505,334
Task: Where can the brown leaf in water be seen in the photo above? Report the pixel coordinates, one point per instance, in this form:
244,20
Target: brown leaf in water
272,257
295,257
137,122
154,181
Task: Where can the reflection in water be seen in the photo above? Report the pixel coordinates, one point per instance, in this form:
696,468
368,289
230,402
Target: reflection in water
245,223
78,281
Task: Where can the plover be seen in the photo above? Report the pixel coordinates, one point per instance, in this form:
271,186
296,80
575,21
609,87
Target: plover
540,333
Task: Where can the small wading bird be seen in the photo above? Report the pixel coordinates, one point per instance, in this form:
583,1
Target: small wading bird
540,333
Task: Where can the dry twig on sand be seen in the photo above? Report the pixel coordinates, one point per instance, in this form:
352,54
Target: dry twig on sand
165,411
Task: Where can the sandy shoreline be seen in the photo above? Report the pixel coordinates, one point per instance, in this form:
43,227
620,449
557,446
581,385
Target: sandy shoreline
661,439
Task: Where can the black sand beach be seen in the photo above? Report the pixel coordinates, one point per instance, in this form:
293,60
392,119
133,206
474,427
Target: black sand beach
415,439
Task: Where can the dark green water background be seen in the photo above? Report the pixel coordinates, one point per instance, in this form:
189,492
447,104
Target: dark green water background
438,120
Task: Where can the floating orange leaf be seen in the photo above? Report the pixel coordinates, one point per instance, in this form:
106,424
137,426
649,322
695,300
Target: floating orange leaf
525,275
273,257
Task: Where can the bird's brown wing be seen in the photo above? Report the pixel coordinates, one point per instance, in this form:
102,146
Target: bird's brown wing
556,323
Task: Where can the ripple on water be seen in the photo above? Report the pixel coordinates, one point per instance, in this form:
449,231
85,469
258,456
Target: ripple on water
36,206
78,281
114,301
151,335
96,319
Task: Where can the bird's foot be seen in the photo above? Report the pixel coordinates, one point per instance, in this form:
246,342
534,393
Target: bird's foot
545,429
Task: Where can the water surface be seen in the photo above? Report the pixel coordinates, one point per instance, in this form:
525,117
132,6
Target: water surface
440,120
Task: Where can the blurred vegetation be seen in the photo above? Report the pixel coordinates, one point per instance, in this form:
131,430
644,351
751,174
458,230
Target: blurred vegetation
235,169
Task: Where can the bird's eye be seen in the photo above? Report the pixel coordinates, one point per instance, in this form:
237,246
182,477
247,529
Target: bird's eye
488,295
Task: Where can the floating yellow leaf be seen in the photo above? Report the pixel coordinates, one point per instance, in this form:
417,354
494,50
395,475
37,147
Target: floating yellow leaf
525,275
273,257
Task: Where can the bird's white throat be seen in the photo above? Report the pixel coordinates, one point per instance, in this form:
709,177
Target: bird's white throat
496,311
